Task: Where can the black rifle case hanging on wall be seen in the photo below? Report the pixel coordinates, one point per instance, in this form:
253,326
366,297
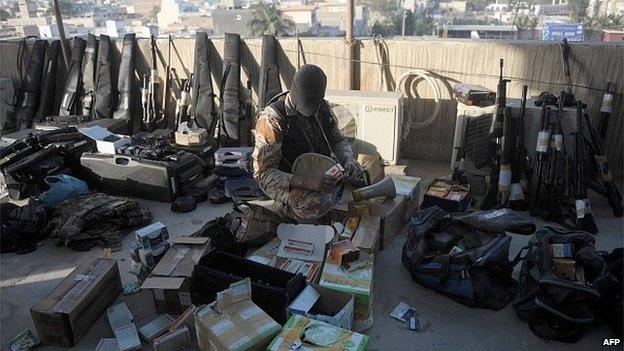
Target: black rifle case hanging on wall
103,105
69,104
29,93
231,106
48,83
269,85
203,108
88,75
124,83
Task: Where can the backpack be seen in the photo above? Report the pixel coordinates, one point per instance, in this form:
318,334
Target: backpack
556,308
465,258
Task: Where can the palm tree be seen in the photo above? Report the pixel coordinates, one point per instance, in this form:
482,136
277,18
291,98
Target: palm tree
268,19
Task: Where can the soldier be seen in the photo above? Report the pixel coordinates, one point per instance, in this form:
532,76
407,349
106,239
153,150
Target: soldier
300,122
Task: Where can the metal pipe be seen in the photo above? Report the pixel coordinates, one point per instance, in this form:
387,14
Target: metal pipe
350,44
61,29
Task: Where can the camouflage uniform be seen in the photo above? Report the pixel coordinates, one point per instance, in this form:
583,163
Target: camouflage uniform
272,169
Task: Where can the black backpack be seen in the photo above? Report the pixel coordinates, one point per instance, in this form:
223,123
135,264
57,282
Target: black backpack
464,257
556,308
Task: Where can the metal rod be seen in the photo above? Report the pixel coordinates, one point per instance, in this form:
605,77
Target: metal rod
61,29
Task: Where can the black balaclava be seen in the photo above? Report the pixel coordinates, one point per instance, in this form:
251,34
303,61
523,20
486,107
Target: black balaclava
308,89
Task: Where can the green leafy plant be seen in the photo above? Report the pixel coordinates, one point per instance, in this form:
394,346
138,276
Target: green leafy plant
268,19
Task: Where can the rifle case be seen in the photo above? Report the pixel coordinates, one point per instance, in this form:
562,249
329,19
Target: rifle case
269,85
104,89
73,84
29,93
61,122
231,111
48,83
271,289
88,75
202,106
134,176
124,85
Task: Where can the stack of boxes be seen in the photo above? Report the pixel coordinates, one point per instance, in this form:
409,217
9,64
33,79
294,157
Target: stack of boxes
151,244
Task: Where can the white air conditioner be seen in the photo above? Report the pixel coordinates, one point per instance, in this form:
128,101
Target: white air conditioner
371,120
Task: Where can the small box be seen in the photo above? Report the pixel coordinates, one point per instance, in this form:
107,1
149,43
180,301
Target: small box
234,322
564,250
325,305
105,141
170,280
367,235
359,283
151,236
449,195
128,338
67,312
155,328
193,137
565,268
150,257
298,326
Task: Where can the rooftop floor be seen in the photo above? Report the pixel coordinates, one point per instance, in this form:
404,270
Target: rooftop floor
24,279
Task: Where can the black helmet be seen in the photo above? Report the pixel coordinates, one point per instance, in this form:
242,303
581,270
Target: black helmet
308,89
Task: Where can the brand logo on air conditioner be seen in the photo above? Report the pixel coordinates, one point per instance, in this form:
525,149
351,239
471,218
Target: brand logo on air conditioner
386,109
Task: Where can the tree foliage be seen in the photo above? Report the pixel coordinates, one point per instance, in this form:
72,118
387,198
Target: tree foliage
4,14
478,5
153,15
578,9
268,19
526,21
384,7
613,21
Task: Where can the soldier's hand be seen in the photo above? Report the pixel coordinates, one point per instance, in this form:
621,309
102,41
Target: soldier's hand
353,170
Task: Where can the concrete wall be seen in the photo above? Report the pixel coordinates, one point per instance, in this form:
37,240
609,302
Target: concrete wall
534,63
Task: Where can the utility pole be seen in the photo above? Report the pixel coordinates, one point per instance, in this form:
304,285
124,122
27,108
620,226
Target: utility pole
61,29
350,44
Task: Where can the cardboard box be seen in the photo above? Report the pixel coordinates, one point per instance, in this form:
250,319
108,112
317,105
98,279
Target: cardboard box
193,137
358,282
396,212
234,322
170,280
151,236
266,254
326,305
367,236
325,337
66,313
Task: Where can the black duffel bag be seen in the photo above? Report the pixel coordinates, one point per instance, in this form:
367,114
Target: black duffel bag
271,289
554,307
464,257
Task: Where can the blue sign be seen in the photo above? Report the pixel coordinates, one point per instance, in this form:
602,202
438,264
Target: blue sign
558,31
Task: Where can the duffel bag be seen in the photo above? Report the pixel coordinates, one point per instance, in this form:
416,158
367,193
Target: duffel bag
560,284
457,259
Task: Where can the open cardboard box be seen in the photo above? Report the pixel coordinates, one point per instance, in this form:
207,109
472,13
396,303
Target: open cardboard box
170,280
326,305
307,264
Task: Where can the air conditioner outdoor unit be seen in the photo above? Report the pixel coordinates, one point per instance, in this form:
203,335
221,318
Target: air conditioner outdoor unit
372,121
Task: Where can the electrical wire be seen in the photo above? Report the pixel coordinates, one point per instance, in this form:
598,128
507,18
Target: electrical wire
441,71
